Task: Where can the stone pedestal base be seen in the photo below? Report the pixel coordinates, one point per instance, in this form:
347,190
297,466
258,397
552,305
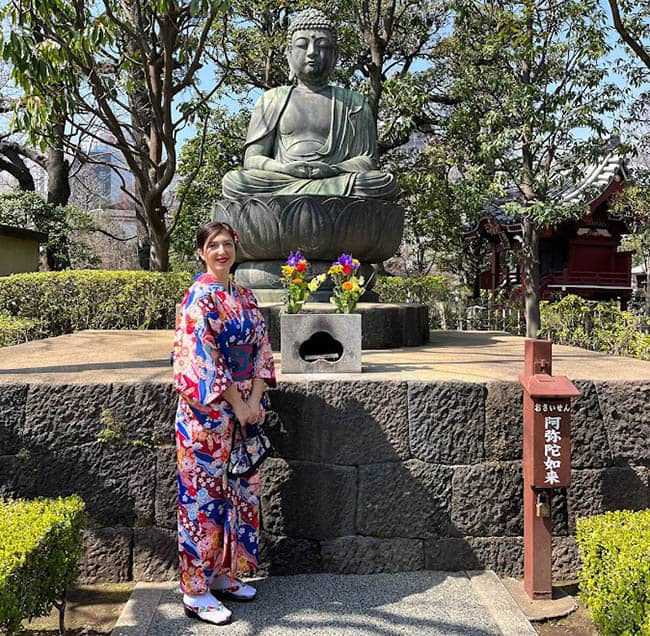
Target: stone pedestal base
384,325
321,227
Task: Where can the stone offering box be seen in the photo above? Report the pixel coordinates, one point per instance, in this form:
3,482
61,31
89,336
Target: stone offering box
320,343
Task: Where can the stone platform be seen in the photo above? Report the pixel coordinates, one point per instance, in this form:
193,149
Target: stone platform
413,464
383,325
90,357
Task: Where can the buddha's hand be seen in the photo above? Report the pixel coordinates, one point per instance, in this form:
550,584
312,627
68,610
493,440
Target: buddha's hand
320,170
309,169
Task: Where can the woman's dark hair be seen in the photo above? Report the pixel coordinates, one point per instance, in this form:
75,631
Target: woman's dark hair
214,227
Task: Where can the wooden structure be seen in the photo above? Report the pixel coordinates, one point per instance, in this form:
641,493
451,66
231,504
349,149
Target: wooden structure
581,257
19,250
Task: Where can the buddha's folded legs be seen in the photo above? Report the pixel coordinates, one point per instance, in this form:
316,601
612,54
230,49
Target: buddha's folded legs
374,185
253,182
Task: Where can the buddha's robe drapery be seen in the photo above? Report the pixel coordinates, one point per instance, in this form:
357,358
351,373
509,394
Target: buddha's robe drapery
351,140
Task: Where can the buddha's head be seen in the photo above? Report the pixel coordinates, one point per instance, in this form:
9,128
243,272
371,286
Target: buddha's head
311,51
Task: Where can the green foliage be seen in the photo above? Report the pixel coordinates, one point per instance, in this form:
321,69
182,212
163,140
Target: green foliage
125,72
445,302
113,429
16,330
223,149
600,326
40,545
614,576
70,301
30,210
534,102
439,202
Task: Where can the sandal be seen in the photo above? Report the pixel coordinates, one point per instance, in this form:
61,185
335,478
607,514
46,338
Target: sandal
234,590
214,614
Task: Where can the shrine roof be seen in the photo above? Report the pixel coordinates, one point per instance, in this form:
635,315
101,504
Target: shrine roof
591,189
597,178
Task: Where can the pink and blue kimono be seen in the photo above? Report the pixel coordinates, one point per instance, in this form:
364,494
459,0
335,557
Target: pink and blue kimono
218,515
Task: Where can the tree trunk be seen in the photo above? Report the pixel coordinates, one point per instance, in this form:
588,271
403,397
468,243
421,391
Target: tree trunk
57,252
58,171
530,253
160,240
144,242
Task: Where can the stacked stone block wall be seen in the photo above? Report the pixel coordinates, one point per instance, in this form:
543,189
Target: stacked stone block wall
368,476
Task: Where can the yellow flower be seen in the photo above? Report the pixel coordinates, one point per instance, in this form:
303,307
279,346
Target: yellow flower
335,269
355,262
287,270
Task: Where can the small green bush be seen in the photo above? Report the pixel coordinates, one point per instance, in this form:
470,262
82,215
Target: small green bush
434,291
599,326
614,577
16,330
70,301
40,545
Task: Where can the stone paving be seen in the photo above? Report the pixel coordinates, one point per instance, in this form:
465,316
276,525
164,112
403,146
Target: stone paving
143,356
401,604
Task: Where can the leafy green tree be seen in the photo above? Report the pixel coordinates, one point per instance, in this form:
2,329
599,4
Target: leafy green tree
202,164
633,203
129,71
533,96
632,22
439,201
60,223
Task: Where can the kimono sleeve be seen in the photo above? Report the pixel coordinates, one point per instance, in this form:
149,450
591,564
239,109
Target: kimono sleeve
263,366
200,371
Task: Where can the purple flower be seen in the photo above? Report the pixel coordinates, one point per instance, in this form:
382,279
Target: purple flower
347,260
294,259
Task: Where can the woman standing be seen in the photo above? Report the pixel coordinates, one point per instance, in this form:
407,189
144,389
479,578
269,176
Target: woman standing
222,362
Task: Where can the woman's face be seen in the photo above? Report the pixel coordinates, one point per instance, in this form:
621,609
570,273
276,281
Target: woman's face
219,254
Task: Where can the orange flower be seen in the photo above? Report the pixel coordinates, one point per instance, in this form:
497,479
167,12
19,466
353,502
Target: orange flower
297,281
346,286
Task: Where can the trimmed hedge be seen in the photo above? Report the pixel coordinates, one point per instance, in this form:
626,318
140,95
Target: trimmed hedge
16,330
40,545
614,577
433,291
70,301
599,326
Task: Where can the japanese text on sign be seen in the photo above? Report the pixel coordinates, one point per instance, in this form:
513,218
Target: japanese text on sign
545,407
552,449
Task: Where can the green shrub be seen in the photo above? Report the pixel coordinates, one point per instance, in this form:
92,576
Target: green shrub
40,545
434,291
16,330
599,326
70,301
614,577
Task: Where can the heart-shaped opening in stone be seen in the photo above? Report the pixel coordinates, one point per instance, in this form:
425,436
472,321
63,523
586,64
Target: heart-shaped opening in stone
321,346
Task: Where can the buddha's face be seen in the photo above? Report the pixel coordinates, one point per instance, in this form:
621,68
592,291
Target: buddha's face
312,55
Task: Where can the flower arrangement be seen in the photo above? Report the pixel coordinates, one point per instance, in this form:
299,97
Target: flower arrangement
294,279
348,287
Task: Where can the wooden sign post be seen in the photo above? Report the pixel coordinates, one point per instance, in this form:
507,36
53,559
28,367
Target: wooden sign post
547,459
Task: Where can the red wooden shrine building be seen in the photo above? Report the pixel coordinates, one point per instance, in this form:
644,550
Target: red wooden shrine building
579,257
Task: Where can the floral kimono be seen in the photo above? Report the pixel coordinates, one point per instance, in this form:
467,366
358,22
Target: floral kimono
218,516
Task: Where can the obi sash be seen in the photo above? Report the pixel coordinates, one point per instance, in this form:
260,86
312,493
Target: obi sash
241,361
